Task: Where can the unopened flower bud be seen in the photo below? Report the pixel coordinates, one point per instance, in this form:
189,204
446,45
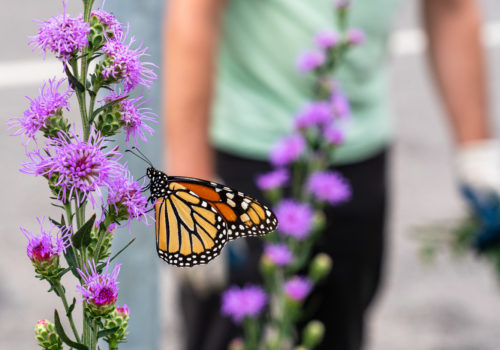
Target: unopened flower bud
267,267
117,319
109,120
96,35
55,124
320,267
300,347
46,336
105,249
313,334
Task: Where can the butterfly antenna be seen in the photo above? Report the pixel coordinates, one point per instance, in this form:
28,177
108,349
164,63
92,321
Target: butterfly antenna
143,155
140,156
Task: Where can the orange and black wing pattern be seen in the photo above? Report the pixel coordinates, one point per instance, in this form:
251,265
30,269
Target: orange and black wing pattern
196,218
189,231
243,215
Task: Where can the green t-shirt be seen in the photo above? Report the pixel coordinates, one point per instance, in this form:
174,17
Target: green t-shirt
259,90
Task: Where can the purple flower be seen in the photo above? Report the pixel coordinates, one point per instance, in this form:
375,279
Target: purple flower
124,63
125,192
340,104
273,179
76,167
287,150
329,186
355,36
47,104
279,254
298,288
62,35
309,61
315,113
243,302
45,246
295,218
134,117
111,24
334,135
326,39
99,289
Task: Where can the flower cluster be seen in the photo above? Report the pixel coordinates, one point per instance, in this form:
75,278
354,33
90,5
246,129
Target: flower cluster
79,167
46,245
279,254
114,28
329,186
63,35
243,302
298,288
132,116
100,290
124,63
125,197
37,117
295,218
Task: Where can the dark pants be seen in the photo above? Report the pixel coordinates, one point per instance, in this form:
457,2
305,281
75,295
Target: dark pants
354,238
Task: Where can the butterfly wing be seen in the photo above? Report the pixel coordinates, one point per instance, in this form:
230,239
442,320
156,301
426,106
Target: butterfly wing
189,230
244,216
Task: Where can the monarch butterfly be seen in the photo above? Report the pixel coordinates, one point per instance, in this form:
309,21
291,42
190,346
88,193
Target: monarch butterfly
196,218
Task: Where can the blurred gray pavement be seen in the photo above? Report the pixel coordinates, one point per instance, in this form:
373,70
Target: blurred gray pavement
451,305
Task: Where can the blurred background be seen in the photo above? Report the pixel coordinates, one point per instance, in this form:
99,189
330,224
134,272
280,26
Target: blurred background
447,305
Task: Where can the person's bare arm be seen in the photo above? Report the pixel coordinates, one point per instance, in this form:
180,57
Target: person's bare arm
453,29
191,47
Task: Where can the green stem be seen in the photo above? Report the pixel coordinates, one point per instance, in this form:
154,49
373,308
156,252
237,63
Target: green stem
251,327
69,314
69,219
87,9
113,344
95,330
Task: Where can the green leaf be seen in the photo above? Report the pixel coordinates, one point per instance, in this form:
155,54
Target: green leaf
63,336
69,255
106,332
121,250
109,104
73,82
71,307
82,237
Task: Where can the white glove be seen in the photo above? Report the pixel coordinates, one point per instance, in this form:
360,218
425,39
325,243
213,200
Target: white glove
478,165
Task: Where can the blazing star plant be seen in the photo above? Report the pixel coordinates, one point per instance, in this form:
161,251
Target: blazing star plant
299,187
82,166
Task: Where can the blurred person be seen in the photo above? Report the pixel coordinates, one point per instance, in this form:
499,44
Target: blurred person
232,90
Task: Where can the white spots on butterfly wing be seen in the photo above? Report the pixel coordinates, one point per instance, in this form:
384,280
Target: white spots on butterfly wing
230,195
244,205
231,203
